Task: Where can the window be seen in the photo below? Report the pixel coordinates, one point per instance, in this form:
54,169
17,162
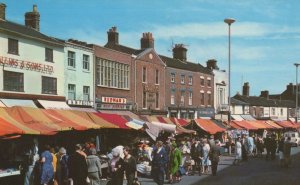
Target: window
71,59
144,74
112,74
157,101
172,97
172,77
209,82
144,100
48,55
202,81
49,85
190,80
182,98
13,46
13,81
208,99
182,79
273,111
191,98
202,98
86,62
86,93
156,76
71,92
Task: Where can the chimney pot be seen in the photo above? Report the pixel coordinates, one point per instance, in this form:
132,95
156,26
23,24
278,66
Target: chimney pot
264,94
2,11
179,52
32,19
113,36
212,64
246,89
147,41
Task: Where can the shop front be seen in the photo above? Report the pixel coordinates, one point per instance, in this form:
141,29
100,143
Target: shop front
113,103
208,112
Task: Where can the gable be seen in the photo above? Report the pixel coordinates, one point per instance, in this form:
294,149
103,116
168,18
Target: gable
150,55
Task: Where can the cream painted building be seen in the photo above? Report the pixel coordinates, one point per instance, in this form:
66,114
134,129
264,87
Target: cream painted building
31,63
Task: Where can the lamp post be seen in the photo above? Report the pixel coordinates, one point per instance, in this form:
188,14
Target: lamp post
229,21
296,109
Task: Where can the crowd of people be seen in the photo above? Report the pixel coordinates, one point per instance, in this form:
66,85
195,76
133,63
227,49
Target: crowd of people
169,159
255,145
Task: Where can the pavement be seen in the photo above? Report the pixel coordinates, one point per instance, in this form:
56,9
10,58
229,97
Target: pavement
256,171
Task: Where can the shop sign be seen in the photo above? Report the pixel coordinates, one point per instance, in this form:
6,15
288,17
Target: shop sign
114,100
113,106
26,65
206,112
80,102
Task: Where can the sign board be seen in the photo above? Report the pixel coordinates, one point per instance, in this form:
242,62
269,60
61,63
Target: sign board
113,106
113,100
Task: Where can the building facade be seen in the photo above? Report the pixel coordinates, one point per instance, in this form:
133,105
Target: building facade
130,79
79,73
220,87
189,86
31,62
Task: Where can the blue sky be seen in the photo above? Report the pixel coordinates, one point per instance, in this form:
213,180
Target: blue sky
265,36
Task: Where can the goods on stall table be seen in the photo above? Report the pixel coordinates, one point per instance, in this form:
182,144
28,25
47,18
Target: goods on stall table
9,172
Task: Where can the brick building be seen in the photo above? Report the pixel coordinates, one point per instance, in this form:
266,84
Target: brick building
130,79
189,86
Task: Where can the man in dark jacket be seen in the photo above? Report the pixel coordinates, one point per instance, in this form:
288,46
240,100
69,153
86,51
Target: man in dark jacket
215,153
196,154
78,167
159,162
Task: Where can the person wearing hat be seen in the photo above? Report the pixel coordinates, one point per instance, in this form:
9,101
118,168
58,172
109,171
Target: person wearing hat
116,167
94,167
238,151
77,166
62,172
214,156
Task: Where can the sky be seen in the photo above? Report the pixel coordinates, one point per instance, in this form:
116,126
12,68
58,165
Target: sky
265,39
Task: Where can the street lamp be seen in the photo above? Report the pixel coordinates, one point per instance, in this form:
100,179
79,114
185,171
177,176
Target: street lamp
296,109
229,21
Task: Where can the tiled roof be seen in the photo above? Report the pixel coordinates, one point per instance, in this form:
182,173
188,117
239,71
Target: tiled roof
261,101
170,62
9,26
123,49
189,66
237,102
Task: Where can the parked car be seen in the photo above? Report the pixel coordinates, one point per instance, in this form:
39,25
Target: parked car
295,137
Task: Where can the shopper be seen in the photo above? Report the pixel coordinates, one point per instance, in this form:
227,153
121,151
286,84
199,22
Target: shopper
62,171
159,162
287,152
215,153
47,173
175,162
129,166
94,167
238,152
116,167
78,167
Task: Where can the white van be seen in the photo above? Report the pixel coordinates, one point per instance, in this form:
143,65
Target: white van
295,137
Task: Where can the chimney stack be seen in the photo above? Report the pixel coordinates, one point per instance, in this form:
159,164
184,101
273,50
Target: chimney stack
212,64
2,11
32,19
290,88
147,41
113,36
264,94
246,89
179,52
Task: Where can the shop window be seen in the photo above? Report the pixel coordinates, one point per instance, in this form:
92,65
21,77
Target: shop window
13,81
49,85
182,98
202,98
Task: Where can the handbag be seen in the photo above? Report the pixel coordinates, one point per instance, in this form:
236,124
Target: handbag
136,182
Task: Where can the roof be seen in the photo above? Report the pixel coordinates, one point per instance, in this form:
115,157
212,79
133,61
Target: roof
261,101
170,62
209,126
237,102
123,49
26,31
189,66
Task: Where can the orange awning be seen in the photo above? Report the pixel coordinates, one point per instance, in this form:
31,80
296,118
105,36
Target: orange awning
244,124
208,126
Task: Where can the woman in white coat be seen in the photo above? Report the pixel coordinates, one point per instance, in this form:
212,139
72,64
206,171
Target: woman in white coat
238,152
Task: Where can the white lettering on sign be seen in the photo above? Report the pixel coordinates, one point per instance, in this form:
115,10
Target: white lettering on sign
114,100
22,64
